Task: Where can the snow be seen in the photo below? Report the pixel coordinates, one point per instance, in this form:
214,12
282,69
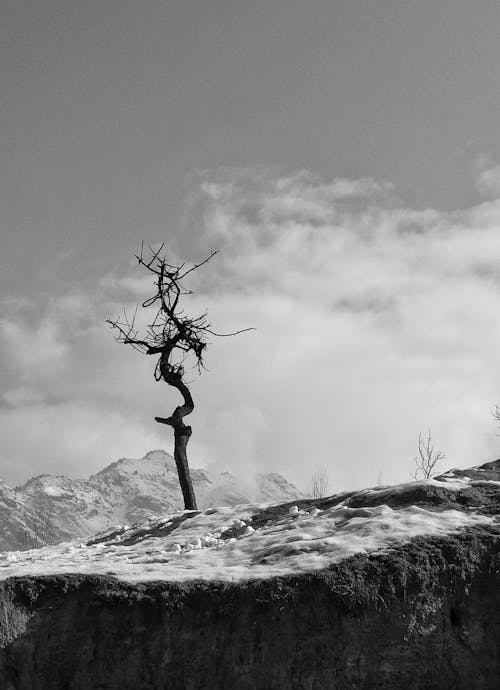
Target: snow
186,546
53,491
451,483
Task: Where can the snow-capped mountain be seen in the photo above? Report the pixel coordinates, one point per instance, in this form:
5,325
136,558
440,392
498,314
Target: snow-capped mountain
131,489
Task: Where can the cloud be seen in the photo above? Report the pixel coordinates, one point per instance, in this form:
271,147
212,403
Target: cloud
487,177
373,322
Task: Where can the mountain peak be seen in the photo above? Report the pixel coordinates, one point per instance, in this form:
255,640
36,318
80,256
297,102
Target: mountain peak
158,454
133,489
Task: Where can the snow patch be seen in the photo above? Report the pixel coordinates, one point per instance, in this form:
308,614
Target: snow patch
53,491
186,546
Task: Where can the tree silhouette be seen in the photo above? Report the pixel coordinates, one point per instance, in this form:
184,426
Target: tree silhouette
174,336
428,456
319,483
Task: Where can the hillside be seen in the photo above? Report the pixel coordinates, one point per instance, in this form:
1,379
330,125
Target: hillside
387,587
132,489
21,524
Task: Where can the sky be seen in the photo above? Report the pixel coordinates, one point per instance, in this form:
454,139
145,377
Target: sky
344,159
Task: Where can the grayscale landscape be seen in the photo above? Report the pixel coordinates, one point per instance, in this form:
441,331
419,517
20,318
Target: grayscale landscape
249,345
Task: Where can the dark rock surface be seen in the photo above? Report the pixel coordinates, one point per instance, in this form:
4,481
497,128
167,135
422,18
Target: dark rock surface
425,615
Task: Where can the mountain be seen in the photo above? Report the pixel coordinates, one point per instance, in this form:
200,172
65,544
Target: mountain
22,525
387,587
130,489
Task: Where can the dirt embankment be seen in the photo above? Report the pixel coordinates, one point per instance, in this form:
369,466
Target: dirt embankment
425,615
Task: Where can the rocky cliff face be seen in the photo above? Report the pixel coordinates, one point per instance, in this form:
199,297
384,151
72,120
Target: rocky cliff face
425,616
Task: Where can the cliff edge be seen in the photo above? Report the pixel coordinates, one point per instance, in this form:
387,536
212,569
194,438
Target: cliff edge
389,587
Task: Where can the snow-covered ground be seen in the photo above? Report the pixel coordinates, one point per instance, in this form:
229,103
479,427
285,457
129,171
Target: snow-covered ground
221,543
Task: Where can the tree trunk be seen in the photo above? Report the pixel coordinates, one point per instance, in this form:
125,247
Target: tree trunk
181,435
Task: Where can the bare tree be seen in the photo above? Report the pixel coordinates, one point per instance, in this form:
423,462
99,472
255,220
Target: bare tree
319,482
174,336
428,456
495,413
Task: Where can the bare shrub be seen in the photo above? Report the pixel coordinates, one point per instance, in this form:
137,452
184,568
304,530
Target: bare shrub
495,413
428,456
319,483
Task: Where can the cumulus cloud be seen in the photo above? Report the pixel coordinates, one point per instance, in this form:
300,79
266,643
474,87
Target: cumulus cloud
373,322
488,182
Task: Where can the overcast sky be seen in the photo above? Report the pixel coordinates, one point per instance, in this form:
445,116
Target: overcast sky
343,156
